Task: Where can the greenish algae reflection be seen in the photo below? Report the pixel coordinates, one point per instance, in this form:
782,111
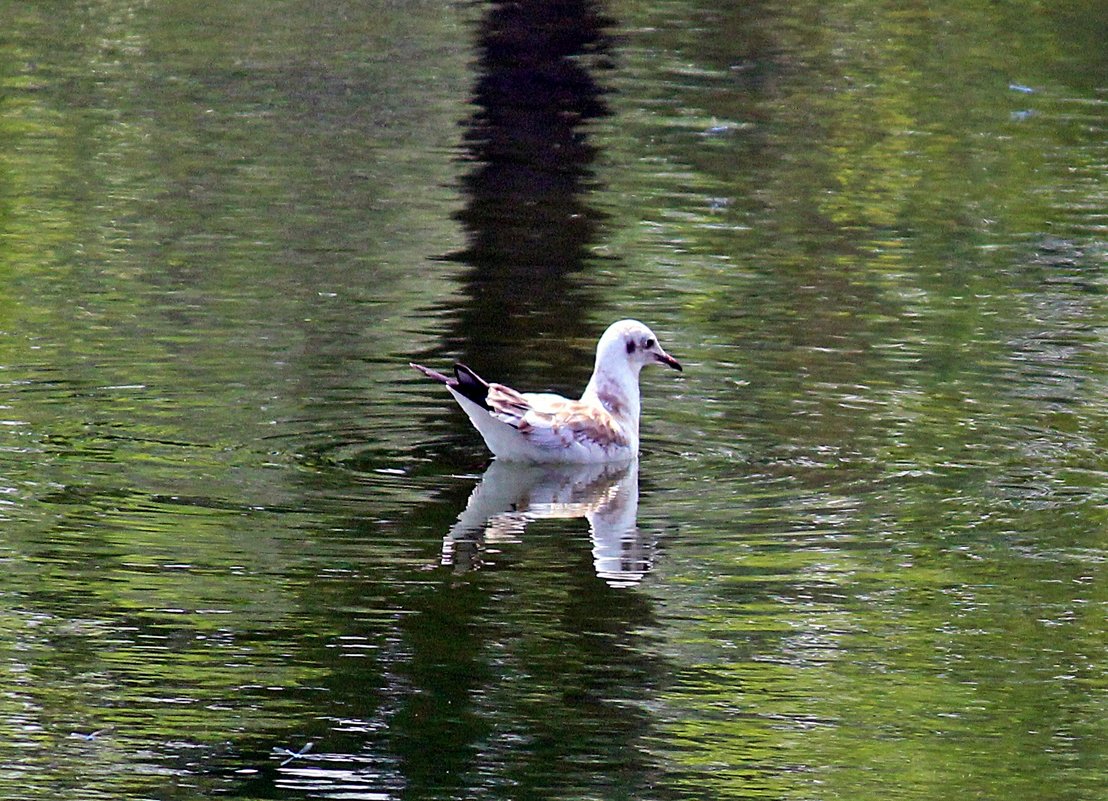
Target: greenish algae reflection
877,494
899,589
158,330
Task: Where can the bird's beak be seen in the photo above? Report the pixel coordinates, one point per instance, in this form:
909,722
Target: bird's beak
668,360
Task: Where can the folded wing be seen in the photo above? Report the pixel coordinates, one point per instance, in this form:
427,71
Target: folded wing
551,421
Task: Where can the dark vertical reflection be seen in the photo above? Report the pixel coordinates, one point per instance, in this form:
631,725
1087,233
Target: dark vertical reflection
528,225
521,670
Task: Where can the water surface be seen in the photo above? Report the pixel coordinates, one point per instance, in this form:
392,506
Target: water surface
249,552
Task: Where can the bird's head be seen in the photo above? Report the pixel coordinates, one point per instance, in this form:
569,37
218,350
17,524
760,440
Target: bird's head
631,342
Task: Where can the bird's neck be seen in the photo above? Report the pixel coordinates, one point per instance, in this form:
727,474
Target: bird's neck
617,390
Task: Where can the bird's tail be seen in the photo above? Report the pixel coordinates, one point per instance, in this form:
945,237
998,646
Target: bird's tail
435,374
466,382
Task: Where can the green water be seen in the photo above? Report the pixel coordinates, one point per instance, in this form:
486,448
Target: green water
248,552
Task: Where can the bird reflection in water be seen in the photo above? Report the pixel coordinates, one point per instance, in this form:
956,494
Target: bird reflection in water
511,495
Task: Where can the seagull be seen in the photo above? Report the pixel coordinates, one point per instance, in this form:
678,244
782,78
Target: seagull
603,426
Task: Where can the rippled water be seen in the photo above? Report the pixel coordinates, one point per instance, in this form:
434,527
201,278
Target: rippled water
249,552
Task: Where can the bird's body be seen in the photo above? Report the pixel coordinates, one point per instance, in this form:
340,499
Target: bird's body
603,426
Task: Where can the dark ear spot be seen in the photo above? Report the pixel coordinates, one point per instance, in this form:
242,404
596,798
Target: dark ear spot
630,346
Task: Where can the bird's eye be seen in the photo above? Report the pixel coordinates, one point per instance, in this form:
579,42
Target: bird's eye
647,344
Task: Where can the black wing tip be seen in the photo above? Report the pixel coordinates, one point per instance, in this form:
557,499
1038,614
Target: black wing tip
466,382
471,385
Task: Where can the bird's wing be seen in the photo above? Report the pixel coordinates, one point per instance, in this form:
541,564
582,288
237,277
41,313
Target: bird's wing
551,421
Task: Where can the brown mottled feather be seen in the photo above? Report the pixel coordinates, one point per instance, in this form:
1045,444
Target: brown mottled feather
547,417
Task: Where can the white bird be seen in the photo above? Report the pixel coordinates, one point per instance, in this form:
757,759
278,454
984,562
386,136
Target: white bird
603,426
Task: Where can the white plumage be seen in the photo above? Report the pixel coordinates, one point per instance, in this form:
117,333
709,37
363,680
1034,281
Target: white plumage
603,426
